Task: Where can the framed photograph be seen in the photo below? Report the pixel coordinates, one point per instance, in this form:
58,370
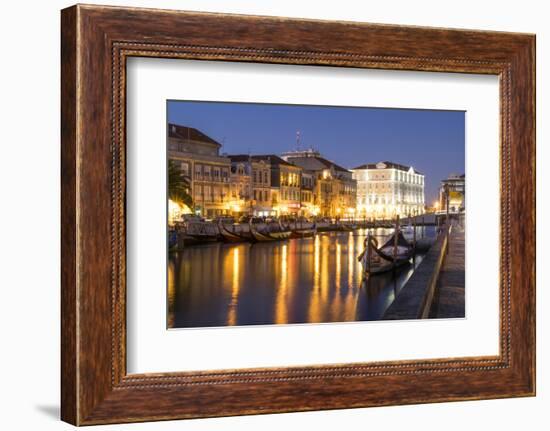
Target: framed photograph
266,215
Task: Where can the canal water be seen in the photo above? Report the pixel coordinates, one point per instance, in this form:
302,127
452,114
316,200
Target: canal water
309,280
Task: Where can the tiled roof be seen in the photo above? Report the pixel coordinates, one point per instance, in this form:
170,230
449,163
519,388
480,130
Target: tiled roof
184,132
239,157
273,159
315,163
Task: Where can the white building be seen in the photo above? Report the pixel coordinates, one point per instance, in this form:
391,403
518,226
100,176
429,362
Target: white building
387,189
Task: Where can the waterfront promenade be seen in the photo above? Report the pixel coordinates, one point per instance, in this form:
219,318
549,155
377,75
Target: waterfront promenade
437,287
450,293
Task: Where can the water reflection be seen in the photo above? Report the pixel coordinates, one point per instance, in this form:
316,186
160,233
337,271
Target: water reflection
309,280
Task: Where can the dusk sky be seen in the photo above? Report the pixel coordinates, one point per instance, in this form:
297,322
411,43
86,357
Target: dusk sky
431,141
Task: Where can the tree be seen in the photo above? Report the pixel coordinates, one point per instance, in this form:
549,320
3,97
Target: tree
179,185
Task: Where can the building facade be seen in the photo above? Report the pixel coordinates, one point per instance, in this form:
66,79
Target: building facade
199,159
261,188
334,189
285,185
250,186
308,199
240,197
387,189
453,190
298,183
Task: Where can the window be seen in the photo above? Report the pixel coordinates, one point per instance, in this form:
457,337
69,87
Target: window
207,193
198,171
184,166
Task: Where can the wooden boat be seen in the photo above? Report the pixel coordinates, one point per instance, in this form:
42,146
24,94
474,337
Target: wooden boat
177,239
201,238
396,248
345,227
232,236
302,232
198,239
172,239
201,233
266,235
395,253
408,229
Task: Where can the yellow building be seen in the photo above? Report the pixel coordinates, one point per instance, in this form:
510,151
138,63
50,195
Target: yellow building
199,158
334,189
285,185
453,189
308,199
250,186
261,187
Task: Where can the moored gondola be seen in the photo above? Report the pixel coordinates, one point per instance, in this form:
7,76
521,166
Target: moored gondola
394,253
301,231
395,248
267,235
200,233
232,236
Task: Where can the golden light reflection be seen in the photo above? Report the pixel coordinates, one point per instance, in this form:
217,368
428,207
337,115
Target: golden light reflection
284,259
232,312
325,253
350,301
338,265
281,309
316,261
351,260
334,302
314,309
297,281
171,294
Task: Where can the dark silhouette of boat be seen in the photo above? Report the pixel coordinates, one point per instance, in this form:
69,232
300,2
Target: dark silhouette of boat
267,234
200,233
394,253
299,231
232,235
172,239
303,233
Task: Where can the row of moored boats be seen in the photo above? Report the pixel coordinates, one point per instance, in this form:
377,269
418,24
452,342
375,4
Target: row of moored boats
394,253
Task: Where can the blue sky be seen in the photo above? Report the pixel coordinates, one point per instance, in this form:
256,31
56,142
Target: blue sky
431,141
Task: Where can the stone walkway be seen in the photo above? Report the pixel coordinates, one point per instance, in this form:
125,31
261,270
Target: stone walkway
449,298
